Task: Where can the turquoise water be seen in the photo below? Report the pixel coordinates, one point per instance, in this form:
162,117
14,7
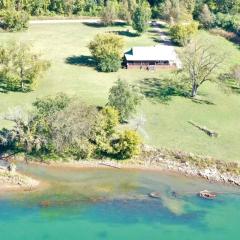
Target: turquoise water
113,204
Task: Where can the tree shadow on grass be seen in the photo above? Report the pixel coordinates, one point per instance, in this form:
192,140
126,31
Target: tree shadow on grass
162,90
228,84
202,101
126,33
5,88
86,61
166,42
101,25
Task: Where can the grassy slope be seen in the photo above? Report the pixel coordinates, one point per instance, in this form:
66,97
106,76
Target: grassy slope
166,123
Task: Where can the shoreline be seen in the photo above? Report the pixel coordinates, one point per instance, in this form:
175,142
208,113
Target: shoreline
150,159
210,174
12,182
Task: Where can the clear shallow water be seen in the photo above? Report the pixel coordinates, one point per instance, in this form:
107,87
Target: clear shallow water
113,204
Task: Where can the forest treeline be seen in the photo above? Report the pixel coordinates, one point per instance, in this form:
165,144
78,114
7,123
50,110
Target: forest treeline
160,8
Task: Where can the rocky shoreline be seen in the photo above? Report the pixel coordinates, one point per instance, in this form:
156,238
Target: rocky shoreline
16,181
192,165
157,159
178,162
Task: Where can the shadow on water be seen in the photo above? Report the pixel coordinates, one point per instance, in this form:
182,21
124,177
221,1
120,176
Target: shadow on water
153,211
161,90
123,211
86,61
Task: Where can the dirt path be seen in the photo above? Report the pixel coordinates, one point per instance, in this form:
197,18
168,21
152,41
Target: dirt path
60,21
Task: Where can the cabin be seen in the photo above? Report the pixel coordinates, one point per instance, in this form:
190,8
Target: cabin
151,58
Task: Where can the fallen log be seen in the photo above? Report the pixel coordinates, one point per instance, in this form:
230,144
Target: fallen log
204,129
109,165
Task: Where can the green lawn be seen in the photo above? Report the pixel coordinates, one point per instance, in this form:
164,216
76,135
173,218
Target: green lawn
167,124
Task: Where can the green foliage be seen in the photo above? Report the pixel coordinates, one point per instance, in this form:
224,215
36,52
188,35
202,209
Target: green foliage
65,127
111,120
228,22
206,18
110,63
125,98
105,130
170,10
228,6
107,50
182,33
126,10
72,128
19,67
141,17
109,13
15,20
49,105
127,145
235,73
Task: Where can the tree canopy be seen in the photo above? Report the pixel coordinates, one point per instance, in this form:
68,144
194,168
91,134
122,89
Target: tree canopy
199,62
20,67
107,50
141,17
125,98
64,127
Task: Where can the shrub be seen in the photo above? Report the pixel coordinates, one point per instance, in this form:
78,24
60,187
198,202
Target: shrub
109,63
15,20
182,33
49,105
228,22
81,150
127,145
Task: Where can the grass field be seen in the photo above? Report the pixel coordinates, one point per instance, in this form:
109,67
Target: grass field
167,124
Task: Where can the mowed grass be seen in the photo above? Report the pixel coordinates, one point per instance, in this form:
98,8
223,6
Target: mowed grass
166,124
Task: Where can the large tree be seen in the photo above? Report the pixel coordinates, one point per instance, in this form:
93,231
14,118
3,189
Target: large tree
109,13
171,10
65,127
141,17
107,50
20,67
125,98
199,62
126,10
206,17
182,33
14,21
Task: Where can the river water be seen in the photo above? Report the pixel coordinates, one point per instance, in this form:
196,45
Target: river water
91,204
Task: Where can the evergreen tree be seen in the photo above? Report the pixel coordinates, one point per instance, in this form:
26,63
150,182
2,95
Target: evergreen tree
206,17
141,17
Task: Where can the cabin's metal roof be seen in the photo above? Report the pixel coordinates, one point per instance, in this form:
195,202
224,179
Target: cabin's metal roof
153,53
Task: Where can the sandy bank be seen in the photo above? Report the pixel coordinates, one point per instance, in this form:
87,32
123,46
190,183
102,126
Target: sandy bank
16,181
157,160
